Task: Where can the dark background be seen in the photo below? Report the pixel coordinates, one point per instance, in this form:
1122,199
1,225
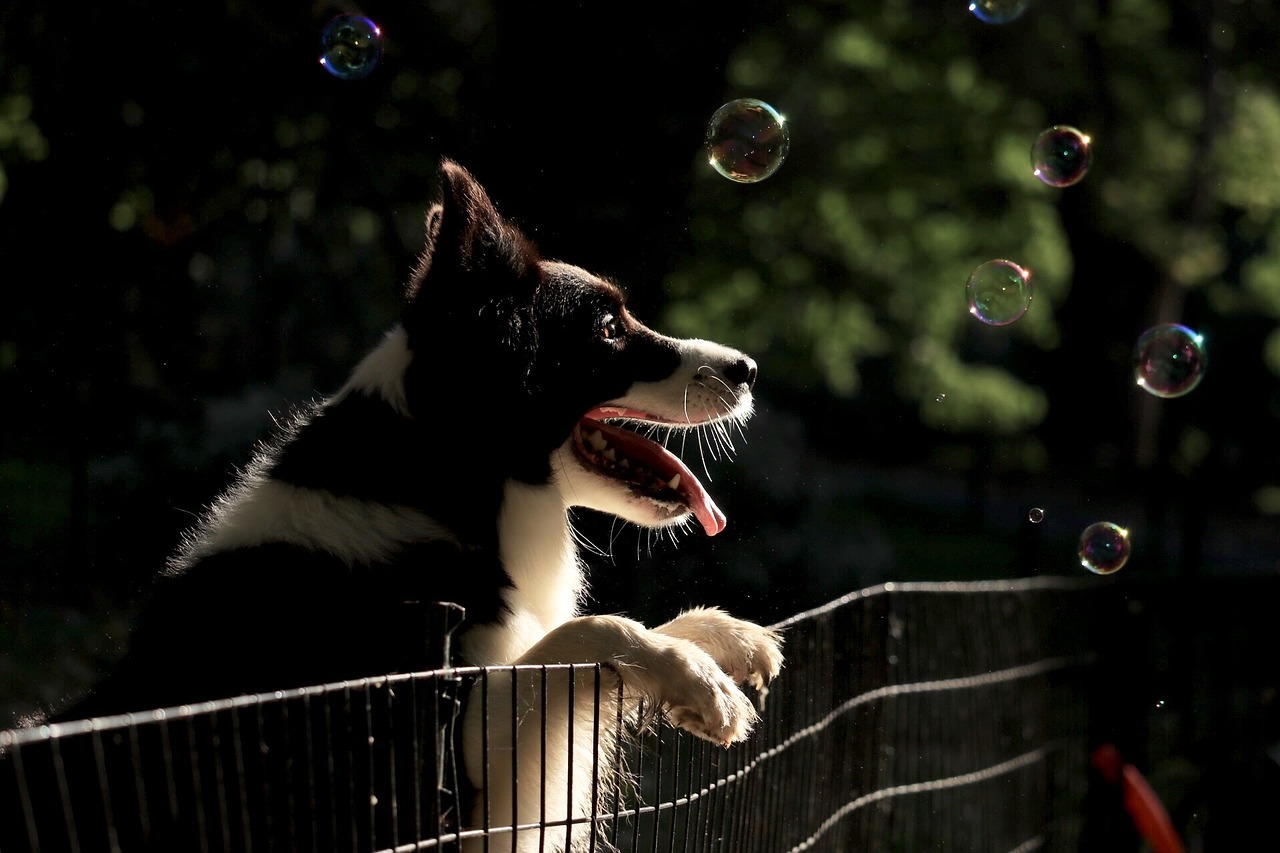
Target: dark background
200,227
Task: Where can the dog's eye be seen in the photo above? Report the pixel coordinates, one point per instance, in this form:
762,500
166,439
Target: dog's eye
610,328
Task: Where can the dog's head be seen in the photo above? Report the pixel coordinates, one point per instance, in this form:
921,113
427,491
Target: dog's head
555,380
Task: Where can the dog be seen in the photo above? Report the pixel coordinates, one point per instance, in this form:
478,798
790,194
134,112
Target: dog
446,469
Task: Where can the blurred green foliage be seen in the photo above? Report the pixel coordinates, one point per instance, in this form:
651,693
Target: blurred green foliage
910,165
20,137
908,169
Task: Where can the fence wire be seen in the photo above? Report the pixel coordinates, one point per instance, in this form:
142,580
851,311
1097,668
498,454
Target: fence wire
909,716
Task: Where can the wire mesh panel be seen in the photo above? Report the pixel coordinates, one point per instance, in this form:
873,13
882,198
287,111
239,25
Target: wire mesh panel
350,766
907,717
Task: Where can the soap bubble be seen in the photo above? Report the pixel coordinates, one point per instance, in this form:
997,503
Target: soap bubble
1061,155
1104,547
351,47
998,11
999,292
1169,360
747,140
1036,515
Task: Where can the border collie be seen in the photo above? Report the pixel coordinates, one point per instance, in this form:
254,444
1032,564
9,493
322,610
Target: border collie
513,389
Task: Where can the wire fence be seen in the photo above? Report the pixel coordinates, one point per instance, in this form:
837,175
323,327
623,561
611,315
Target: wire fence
909,716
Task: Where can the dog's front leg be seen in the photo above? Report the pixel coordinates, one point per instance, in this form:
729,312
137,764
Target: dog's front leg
539,750
523,784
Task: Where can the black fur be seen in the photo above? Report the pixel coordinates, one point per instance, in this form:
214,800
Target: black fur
275,616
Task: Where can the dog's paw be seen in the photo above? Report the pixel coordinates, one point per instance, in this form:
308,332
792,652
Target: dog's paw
689,668
700,697
747,652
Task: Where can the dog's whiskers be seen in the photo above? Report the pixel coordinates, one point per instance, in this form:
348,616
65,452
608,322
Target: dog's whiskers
613,537
585,542
645,533
728,401
727,387
715,436
726,440
705,434
702,453
721,434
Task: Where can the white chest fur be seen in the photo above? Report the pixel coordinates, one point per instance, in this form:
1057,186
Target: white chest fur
537,549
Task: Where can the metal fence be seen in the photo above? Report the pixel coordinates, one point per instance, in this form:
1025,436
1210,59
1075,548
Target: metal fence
909,716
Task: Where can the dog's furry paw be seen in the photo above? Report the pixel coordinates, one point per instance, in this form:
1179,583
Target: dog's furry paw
747,652
697,694
690,668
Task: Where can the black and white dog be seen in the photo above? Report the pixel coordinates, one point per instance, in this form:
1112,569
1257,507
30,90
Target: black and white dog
445,470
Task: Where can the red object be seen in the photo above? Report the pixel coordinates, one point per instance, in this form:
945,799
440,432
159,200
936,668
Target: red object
1145,809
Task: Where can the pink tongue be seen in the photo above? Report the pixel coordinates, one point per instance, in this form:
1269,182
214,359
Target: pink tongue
658,458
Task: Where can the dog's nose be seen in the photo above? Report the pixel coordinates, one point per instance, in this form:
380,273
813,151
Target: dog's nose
742,371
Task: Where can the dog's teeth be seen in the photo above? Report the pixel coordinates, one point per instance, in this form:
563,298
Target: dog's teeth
674,482
611,454
597,441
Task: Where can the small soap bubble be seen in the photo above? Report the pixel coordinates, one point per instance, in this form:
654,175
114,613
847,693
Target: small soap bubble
1104,547
999,292
351,46
998,11
1169,360
1036,515
747,140
1061,155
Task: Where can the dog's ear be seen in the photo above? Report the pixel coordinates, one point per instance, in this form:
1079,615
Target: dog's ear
469,245
470,298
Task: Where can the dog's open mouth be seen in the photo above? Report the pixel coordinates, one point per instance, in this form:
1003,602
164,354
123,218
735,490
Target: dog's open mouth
647,467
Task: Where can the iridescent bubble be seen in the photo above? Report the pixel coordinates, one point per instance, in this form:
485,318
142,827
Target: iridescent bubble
998,11
1169,360
351,46
1036,515
1061,155
999,292
1104,547
747,140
